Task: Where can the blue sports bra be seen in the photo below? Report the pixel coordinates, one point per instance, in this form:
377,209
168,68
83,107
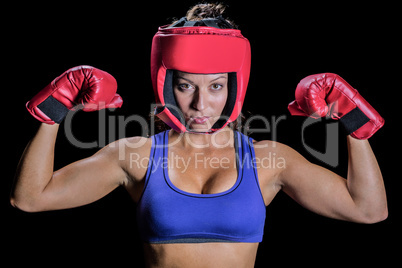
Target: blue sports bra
166,214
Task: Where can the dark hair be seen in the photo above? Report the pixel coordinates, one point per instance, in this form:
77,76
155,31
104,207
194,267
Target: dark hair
208,10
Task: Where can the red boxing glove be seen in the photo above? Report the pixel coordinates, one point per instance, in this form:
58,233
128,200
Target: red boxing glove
93,88
328,94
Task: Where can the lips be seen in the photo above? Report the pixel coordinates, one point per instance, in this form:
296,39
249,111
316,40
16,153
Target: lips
200,119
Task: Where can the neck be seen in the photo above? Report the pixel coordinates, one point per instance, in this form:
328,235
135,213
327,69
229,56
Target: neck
219,139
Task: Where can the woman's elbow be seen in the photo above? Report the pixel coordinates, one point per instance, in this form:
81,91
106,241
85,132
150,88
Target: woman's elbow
376,217
24,205
381,217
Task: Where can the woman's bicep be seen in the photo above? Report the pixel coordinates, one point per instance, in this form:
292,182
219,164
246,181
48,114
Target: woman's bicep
82,182
318,189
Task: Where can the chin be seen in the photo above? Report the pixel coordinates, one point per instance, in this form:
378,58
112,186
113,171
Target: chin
202,128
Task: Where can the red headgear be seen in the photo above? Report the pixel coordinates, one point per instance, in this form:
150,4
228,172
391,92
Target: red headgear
200,50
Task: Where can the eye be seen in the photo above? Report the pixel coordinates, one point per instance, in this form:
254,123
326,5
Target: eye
216,86
185,86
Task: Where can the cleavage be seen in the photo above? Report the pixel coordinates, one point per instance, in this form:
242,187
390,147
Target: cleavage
203,172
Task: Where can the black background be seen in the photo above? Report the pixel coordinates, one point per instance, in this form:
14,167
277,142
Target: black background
289,41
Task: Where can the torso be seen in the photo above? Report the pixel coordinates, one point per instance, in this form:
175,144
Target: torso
219,175
219,255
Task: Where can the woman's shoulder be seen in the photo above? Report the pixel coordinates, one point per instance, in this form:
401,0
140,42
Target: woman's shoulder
269,145
132,154
125,147
276,149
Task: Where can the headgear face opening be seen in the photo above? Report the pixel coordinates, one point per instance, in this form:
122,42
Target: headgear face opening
199,50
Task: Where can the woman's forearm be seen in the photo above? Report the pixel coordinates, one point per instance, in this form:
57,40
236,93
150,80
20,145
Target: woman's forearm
365,182
35,169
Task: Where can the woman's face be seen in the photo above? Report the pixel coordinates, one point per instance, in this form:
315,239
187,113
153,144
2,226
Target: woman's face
201,98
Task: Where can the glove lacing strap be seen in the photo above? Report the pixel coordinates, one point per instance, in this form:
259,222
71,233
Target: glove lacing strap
54,109
353,120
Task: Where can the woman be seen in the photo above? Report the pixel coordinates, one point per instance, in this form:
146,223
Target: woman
201,187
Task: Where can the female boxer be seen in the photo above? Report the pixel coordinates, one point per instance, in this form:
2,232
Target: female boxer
203,191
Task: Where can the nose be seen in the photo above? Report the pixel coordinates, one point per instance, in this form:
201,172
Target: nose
199,100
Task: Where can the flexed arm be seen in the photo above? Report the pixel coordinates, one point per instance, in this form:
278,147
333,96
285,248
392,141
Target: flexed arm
37,187
359,198
362,196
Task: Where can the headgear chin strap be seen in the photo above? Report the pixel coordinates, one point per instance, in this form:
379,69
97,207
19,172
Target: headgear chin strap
199,47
